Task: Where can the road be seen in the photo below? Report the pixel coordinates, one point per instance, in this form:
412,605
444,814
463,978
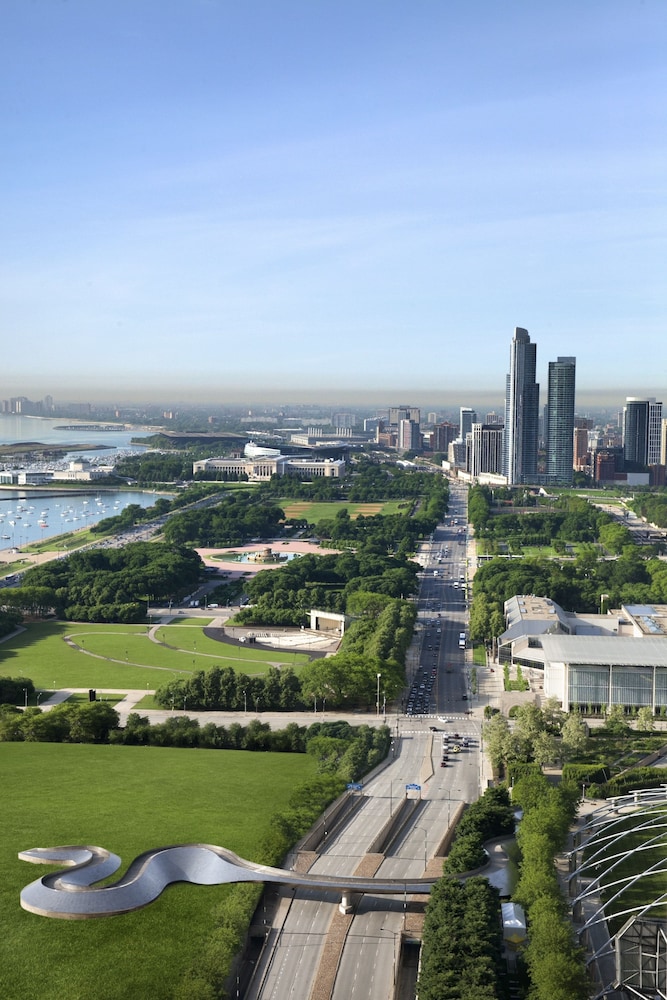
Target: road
370,957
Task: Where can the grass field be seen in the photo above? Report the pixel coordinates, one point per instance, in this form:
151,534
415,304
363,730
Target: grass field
645,889
314,512
123,656
127,799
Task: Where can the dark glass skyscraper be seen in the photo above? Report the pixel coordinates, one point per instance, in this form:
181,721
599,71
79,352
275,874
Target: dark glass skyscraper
642,431
560,420
522,395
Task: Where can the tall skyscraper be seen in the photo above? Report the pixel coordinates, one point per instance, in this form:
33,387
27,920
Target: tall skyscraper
468,417
522,394
642,430
559,431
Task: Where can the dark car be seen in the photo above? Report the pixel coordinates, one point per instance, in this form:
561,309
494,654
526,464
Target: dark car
434,729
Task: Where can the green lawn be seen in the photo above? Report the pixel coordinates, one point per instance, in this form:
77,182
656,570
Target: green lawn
123,656
648,887
479,655
127,799
314,512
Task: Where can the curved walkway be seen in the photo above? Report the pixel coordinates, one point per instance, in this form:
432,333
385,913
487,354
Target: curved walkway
70,894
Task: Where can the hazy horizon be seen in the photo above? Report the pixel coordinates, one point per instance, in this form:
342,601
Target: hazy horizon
377,399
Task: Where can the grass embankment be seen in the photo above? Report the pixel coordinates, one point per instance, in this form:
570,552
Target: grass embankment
127,799
123,657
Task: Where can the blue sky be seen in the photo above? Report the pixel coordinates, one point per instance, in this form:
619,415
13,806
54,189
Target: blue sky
213,199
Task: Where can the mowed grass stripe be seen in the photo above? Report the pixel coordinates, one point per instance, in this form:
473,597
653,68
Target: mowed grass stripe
314,512
127,799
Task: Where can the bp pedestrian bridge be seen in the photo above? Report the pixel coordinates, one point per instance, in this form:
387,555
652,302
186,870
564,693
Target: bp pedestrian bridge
71,893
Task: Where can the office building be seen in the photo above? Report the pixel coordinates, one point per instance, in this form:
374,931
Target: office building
409,436
484,449
442,435
467,418
522,395
398,413
642,431
559,431
581,452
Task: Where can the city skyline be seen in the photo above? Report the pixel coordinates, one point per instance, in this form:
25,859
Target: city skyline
359,202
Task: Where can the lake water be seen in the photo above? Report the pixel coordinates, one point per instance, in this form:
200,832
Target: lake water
27,516
31,515
16,429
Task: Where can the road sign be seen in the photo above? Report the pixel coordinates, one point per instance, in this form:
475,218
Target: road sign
354,787
413,788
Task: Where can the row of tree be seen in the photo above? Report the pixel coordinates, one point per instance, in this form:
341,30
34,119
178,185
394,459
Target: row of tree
652,506
462,947
222,689
556,965
339,748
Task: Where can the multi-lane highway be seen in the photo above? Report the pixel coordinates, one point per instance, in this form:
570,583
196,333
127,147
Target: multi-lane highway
367,966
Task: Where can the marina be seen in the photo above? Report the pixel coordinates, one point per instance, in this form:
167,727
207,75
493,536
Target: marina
27,518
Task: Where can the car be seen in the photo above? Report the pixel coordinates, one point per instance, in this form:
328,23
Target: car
456,736
464,697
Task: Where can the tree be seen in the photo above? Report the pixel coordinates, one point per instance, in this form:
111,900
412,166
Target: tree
495,733
615,722
645,720
545,748
574,736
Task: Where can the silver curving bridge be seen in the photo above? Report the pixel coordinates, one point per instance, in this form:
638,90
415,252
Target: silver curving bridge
71,894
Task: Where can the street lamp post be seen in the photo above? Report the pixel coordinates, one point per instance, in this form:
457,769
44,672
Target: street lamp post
377,698
396,936
25,693
245,702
